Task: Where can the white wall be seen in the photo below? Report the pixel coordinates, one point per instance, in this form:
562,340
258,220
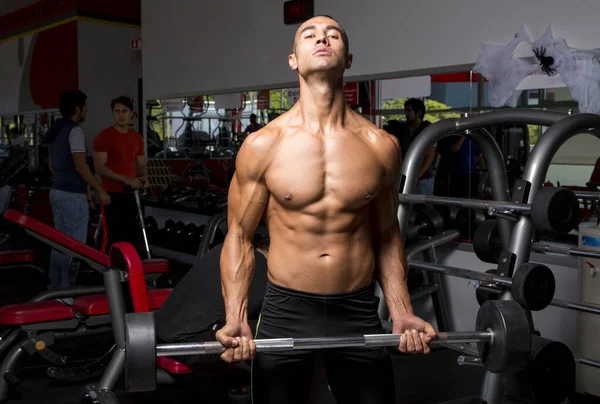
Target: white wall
13,56
193,47
108,68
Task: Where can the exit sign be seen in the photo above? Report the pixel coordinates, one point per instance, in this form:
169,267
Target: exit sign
297,11
136,43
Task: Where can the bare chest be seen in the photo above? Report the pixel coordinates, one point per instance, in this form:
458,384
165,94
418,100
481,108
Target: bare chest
342,173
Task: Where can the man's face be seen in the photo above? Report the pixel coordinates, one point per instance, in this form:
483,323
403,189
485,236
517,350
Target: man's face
319,46
410,114
122,114
81,112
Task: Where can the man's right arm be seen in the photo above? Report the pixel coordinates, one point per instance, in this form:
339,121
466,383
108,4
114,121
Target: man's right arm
247,201
100,159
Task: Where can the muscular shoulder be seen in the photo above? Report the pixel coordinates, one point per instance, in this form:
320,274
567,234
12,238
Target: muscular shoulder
257,151
386,147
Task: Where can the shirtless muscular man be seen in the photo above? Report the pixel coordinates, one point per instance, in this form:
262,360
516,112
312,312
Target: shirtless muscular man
325,182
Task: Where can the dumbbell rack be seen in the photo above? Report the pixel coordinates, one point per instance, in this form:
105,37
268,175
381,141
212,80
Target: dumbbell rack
159,174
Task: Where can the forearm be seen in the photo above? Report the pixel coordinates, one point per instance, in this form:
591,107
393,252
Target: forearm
392,275
237,269
110,174
91,180
142,170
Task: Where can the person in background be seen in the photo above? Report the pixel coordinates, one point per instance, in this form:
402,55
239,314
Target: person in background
119,159
461,158
71,177
254,125
414,110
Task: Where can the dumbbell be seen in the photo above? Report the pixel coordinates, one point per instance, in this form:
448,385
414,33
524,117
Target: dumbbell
502,334
425,222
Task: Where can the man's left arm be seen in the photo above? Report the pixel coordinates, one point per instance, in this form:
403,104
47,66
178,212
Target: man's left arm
391,264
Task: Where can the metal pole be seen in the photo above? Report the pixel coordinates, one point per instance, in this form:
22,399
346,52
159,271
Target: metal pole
441,129
535,173
287,344
462,273
440,303
577,252
138,202
465,202
583,307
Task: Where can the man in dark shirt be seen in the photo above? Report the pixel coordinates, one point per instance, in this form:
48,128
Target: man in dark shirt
71,177
414,109
194,310
461,157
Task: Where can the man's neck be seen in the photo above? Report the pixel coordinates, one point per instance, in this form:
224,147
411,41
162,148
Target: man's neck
416,123
322,103
121,128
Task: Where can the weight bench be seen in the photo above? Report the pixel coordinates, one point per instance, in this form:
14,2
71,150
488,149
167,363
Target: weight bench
44,320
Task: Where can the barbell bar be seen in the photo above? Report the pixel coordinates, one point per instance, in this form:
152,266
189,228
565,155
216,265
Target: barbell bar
576,252
532,286
502,335
554,209
295,344
483,294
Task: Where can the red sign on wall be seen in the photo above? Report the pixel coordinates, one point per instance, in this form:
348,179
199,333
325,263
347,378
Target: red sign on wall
136,43
263,101
351,93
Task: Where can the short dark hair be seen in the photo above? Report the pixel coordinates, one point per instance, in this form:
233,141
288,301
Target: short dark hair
344,35
123,100
417,105
253,117
69,101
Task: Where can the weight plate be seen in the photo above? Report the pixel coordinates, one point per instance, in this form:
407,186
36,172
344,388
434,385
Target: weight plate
486,242
555,210
140,352
533,286
448,214
509,351
467,220
550,377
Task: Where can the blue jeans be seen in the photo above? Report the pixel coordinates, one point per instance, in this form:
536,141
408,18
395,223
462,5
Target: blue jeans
425,186
71,217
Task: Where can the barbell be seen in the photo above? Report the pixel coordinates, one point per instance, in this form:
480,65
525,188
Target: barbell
502,335
532,286
553,209
486,244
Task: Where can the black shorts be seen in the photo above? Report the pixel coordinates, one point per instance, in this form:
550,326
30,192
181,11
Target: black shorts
354,375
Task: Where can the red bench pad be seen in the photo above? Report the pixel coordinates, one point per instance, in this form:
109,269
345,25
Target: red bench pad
172,366
155,266
16,257
57,237
95,305
35,312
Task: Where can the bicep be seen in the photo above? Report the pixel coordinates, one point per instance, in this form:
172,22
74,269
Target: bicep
140,160
77,140
247,201
385,211
100,159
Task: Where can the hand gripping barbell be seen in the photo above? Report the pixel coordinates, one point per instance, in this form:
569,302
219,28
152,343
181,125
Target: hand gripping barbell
502,336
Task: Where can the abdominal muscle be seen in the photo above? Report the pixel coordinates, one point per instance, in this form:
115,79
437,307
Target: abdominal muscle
318,256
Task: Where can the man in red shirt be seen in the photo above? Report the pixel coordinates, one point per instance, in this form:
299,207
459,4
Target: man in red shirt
120,160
